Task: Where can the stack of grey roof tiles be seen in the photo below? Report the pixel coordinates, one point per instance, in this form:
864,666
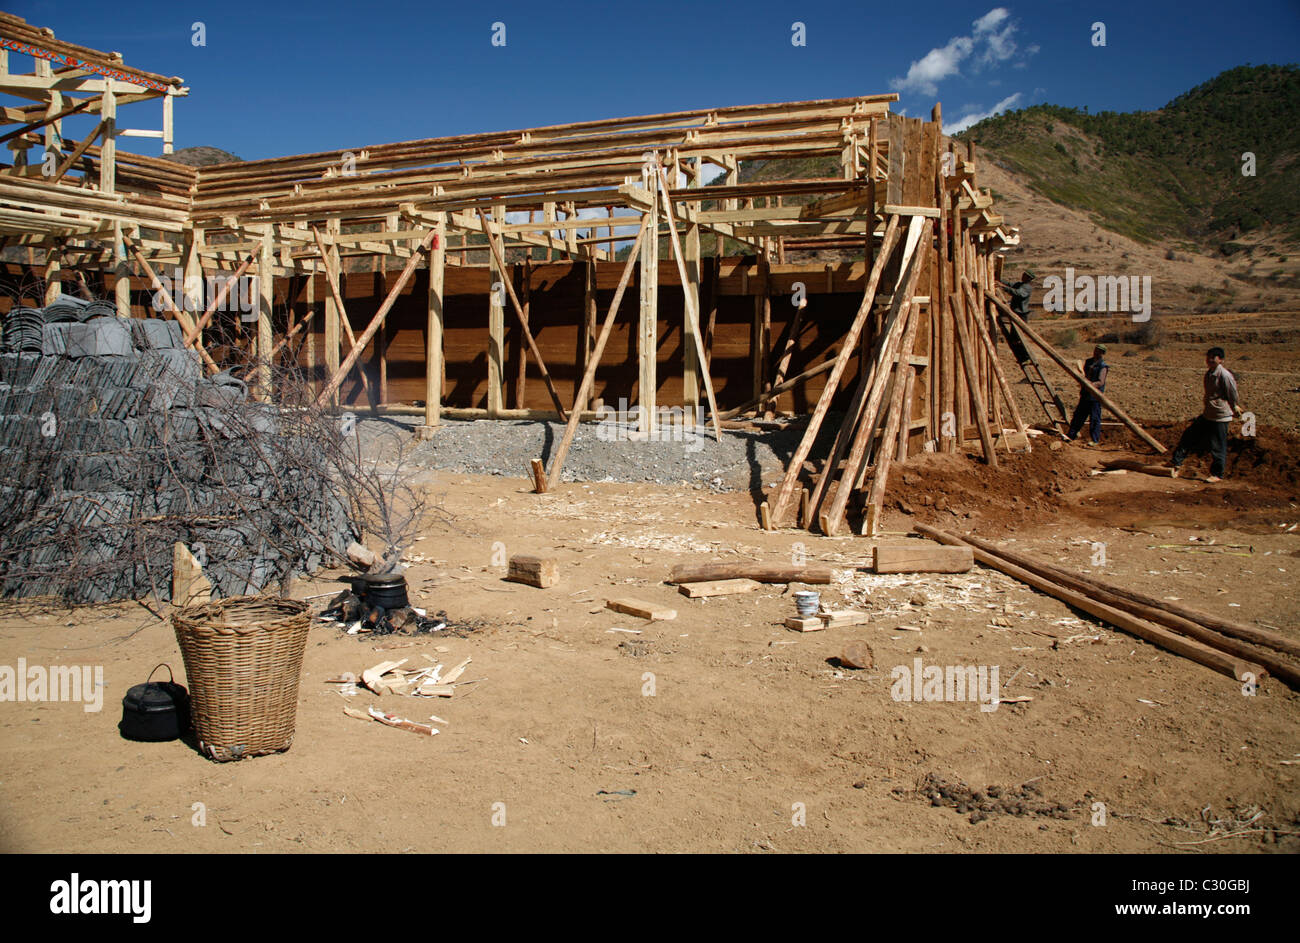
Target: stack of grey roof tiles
115,446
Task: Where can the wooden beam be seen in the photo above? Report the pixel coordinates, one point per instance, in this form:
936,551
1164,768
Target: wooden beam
589,375
377,320
519,313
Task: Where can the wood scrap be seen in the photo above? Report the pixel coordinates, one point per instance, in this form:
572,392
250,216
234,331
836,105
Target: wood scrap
541,572
808,624
837,618
641,609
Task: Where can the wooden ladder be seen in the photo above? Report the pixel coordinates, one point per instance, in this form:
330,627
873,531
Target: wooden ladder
1048,398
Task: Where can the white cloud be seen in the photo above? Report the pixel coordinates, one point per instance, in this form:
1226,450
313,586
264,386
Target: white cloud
991,42
974,116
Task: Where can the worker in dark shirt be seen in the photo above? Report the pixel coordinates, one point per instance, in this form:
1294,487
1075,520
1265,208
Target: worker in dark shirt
1094,370
1021,292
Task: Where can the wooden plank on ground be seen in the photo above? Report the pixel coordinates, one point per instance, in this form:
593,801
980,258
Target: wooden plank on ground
922,557
762,572
641,609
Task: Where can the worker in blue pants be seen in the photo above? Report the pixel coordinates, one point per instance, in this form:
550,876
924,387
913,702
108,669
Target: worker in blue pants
1094,371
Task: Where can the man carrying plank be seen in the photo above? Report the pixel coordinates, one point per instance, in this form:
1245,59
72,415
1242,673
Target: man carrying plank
1209,431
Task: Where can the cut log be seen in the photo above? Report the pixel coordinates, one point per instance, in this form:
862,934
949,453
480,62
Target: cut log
718,588
1171,641
761,572
538,468
542,572
918,557
641,609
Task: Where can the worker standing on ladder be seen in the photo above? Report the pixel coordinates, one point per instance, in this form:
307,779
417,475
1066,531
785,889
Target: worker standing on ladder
1021,292
1094,370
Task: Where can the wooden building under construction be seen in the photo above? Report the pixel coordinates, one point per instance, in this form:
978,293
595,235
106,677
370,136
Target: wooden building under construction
532,273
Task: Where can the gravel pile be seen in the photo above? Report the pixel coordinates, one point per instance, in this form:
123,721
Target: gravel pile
604,452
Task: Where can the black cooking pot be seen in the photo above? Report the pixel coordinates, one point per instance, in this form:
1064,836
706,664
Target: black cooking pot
381,589
155,711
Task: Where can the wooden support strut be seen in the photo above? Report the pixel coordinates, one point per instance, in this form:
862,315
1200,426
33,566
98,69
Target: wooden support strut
589,375
972,380
355,353
691,314
780,504
519,313
192,336
332,282
987,340
1076,375
184,319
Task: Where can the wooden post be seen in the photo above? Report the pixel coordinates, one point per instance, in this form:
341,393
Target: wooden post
53,282
498,253
496,326
525,301
108,147
121,273
692,316
195,294
987,341
589,309
433,330
968,368
261,385
334,311
648,323
691,327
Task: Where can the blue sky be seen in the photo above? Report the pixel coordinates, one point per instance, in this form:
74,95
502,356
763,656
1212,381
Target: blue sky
329,74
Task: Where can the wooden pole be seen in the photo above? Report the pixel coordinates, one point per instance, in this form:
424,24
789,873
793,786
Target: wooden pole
1075,375
998,373
972,383
1097,590
589,375
332,279
780,505
1171,641
691,314
433,330
355,353
519,313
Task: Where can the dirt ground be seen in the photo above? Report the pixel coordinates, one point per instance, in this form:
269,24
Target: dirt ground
721,730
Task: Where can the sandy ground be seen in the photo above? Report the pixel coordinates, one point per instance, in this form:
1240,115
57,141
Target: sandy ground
735,733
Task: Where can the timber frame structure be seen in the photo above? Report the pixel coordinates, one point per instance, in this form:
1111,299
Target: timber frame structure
441,275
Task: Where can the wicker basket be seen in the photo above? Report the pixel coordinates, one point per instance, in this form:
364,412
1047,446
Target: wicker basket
243,657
